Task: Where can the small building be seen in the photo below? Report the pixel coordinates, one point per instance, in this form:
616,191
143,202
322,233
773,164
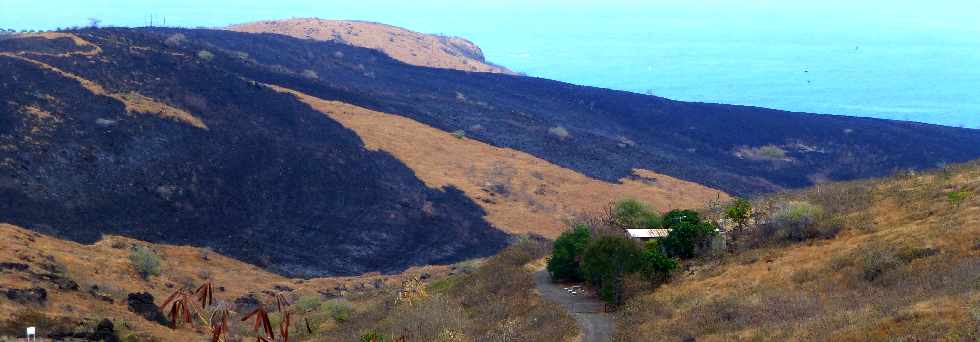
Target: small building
646,234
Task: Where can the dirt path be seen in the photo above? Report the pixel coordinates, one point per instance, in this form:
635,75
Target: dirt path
596,325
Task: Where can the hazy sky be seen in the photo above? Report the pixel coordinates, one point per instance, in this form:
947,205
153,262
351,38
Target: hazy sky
453,16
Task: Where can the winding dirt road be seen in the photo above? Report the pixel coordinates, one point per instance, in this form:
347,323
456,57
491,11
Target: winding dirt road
596,325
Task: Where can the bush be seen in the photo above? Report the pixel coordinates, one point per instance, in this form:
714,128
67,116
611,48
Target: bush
310,74
739,212
796,221
459,134
656,266
606,260
372,336
338,309
560,132
205,55
957,197
145,261
633,214
878,261
175,40
564,261
689,235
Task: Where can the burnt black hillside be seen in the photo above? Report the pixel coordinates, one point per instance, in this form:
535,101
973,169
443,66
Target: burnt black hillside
275,183
270,181
611,132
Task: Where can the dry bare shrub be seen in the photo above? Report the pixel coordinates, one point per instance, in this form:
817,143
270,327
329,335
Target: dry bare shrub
437,318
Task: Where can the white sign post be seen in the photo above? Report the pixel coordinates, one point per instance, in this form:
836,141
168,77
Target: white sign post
31,334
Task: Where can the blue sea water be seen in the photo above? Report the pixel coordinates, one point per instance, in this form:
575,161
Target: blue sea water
925,79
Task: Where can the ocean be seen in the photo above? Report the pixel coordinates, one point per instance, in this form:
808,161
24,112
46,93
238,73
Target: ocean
921,81
914,70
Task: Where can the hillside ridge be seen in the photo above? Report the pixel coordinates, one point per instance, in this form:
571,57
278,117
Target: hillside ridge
411,47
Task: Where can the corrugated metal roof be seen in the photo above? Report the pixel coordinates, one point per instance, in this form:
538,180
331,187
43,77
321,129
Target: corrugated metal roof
647,233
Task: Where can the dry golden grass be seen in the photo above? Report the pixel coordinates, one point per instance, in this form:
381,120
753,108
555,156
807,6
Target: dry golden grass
106,264
134,102
929,290
401,44
95,49
520,193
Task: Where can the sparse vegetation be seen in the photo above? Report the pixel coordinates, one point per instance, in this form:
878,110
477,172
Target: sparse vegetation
145,261
495,302
899,281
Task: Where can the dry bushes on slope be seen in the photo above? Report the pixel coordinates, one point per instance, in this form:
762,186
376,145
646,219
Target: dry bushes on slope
905,266
495,302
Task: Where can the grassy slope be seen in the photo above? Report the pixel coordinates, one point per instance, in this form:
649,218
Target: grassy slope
821,290
492,300
520,193
106,265
401,44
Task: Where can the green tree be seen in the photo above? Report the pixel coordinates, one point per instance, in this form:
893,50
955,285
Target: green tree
688,233
739,211
633,214
606,260
656,266
564,261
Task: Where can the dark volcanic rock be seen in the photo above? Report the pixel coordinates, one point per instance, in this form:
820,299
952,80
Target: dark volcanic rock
246,303
13,266
35,295
105,331
142,304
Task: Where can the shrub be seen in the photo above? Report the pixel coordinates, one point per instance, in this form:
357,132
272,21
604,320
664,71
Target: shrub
175,40
739,212
656,266
309,303
560,132
339,309
606,260
372,336
689,235
310,74
145,261
878,261
205,55
633,214
459,134
958,197
767,152
564,261
796,221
